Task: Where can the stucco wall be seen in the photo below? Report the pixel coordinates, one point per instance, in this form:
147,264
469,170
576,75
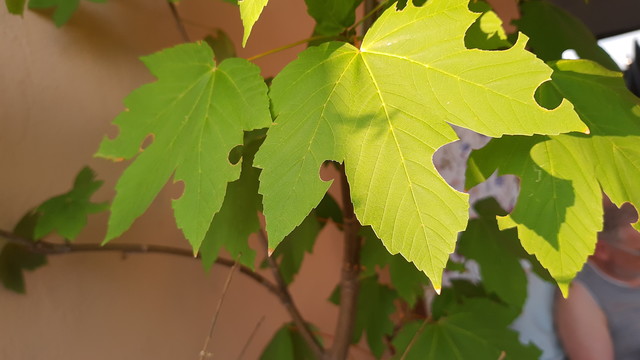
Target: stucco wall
61,88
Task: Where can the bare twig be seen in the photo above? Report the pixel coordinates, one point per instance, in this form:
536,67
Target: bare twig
371,10
48,248
349,282
287,301
250,338
289,46
179,23
214,320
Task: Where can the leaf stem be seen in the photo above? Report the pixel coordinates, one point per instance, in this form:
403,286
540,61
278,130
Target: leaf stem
287,301
289,46
349,282
370,12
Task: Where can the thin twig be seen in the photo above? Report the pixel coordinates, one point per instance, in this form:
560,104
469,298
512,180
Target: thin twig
48,248
369,14
214,320
250,339
349,282
288,46
414,339
287,301
179,23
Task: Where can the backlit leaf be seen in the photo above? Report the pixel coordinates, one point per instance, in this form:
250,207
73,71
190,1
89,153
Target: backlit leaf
486,32
383,110
250,11
559,209
196,113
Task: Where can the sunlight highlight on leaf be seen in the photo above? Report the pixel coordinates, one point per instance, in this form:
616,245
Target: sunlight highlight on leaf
384,110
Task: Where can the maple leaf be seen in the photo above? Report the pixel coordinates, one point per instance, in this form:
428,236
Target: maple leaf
16,258
407,280
238,217
476,329
64,8
287,344
559,208
197,113
375,307
332,16
67,213
553,30
383,109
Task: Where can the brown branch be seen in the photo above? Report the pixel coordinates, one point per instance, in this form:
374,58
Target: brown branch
49,248
287,301
179,23
349,282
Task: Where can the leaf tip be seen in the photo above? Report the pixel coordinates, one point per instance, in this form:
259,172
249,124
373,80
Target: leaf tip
564,289
270,252
438,289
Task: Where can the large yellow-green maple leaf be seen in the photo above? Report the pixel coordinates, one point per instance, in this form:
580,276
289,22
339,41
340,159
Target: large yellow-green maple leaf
383,109
197,112
559,209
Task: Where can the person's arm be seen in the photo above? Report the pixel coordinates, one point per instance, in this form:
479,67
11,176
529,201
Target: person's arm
582,326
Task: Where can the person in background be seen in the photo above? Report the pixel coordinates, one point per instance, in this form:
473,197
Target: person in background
601,317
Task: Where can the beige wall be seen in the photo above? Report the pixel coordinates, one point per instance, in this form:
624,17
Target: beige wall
60,90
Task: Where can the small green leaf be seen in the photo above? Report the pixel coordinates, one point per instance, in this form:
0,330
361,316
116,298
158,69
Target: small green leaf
384,109
287,344
67,213
332,16
238,216
15,258
553,30
15,7
408,281
64,8
250,11
196,113
375,307
476,330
